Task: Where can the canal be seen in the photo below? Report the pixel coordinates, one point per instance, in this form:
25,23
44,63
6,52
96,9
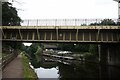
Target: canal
84,71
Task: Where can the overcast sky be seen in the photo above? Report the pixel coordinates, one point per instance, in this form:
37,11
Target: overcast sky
70,9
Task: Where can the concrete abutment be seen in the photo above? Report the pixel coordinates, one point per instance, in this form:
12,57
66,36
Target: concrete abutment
109,54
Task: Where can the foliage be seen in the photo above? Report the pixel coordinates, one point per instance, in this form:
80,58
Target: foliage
93,48
88,56
38,53
92,55
82,47
35,63
34,52
105,22
32,49
10,18
83,24
14,45
89,51
66,47
9,15
73,47
95,24
28,71
23,47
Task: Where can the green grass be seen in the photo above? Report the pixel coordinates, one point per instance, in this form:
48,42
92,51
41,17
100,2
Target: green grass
28,71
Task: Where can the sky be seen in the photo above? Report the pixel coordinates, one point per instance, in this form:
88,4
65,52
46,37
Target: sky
66,9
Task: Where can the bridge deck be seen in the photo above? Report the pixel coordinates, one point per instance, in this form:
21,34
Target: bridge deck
81,34
60,27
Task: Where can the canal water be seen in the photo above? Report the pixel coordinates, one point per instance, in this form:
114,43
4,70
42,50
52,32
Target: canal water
84,71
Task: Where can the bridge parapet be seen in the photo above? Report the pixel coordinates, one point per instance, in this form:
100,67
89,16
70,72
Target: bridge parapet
69,22
60,27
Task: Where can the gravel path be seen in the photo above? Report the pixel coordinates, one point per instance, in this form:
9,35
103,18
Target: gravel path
14,69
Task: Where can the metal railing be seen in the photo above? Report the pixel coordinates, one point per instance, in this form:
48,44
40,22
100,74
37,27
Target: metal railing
7,59
70,22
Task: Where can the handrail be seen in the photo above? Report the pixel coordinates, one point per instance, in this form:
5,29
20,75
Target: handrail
64,22
68,22
60,27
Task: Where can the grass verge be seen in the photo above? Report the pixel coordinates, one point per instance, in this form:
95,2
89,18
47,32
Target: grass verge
28,71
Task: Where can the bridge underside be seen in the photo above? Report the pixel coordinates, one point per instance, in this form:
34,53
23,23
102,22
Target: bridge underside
62,35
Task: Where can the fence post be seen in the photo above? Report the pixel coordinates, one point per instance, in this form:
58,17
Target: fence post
86,21
28,23
75,22
55,22
37,22
65,22
46,22
96,22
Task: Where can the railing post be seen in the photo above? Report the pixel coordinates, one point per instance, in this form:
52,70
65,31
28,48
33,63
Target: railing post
37,22
86,21
75,22
55,22
46,22
65,22
28,23
96,22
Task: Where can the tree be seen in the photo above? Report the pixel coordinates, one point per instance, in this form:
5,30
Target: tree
105,22
10,18
66,47
82,47
72,47
38,53
95,24
9,15
108,22
34,50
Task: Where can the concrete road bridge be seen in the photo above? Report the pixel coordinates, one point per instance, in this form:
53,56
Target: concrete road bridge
62,30
83,34
71,31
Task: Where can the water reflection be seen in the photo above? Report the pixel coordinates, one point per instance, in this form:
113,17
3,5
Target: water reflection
47,73
50,69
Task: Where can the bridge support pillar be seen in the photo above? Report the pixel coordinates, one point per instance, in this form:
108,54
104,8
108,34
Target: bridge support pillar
109,54
99,52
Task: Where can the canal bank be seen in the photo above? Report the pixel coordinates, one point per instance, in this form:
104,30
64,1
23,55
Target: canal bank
19,68
27,70
60,71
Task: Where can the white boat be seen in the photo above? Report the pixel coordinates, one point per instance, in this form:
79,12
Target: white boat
64,52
